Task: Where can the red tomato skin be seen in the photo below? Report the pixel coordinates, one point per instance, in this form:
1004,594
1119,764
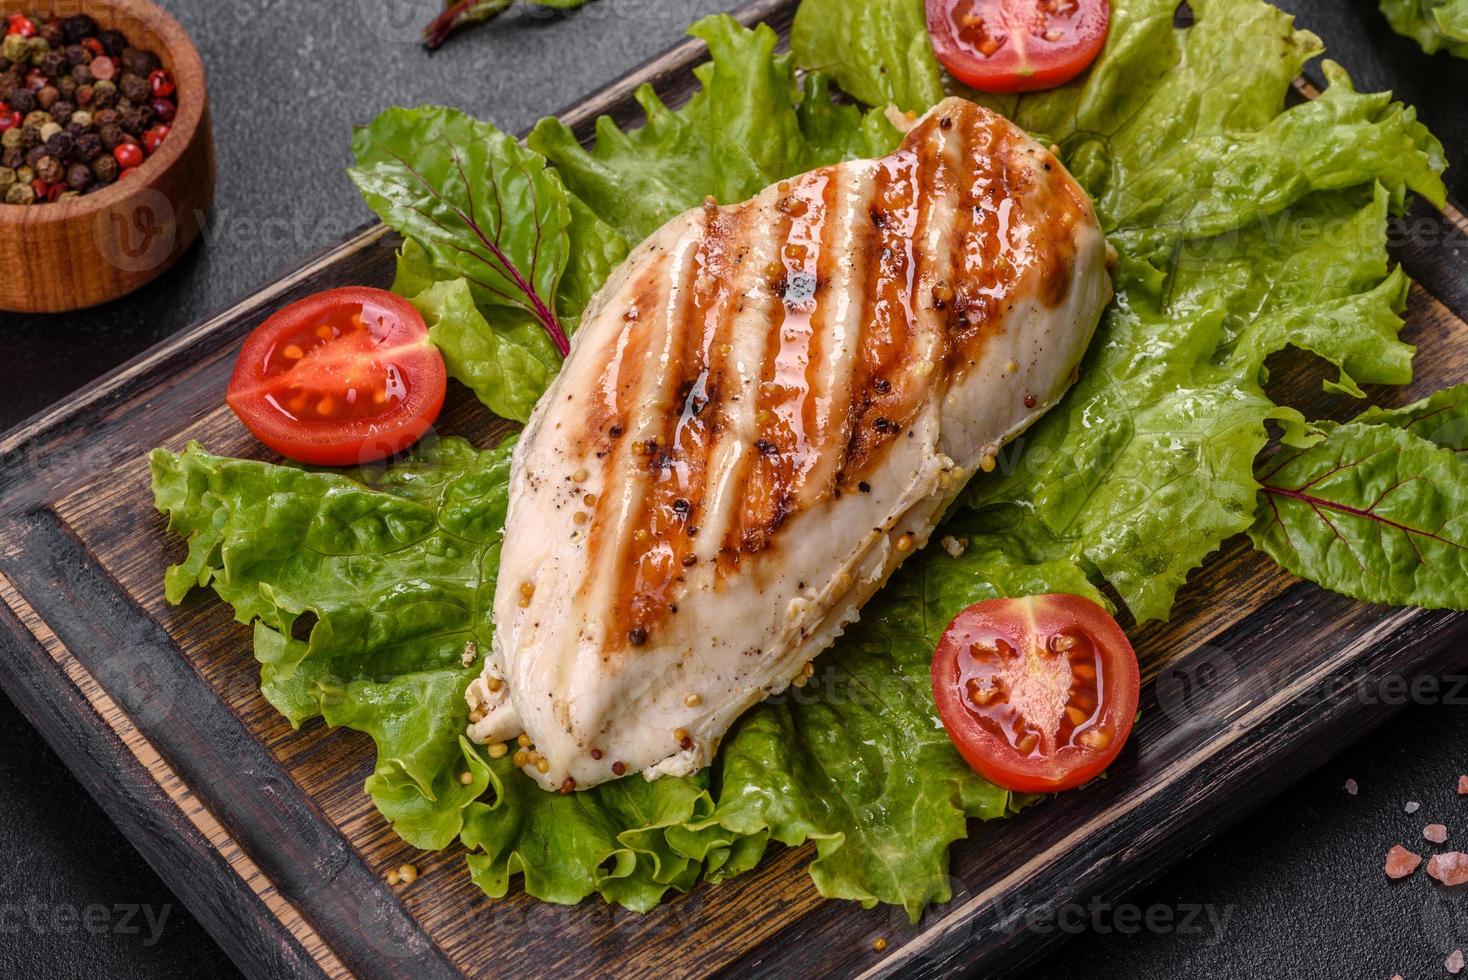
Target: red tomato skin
1002,73
349,442
990,756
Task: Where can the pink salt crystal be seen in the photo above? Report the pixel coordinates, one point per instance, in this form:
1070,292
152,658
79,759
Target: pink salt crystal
1454,962
1463,785
1401,862
1450,868
1435,832
1351,787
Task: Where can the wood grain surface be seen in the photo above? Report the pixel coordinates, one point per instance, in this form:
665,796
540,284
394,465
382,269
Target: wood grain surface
266,832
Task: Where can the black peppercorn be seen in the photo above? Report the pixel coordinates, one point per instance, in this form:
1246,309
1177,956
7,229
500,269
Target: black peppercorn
50,169
77,27
140,62
112,42
12,157
47,96
66,85
35,154
135,87
23,100
81,74
104,117
76,127
8,82
104,168
88,147
78,176
53,63
137,119
30,136
54,34
77,55
104,94
112,136
61,111
62,146
83,95
5,64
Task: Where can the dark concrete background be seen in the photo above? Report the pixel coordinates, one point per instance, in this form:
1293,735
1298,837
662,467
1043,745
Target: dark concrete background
1298,887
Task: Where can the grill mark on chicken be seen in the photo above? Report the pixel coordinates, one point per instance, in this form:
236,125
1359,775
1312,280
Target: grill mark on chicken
789,428
674,462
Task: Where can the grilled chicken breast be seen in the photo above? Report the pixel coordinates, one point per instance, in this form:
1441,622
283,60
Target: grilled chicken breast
766,409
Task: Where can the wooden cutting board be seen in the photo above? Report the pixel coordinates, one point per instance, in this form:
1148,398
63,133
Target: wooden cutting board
266,834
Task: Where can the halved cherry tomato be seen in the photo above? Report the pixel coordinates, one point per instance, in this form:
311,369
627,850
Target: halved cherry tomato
1038,694
344,377
1017,45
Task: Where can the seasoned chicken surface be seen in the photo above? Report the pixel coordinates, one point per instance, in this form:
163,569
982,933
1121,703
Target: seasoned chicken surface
766,409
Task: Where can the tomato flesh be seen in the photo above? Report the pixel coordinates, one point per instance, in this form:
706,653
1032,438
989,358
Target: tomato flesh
345,377
1038,693
1017,45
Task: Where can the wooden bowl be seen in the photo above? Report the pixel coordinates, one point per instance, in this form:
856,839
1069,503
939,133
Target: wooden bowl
86,250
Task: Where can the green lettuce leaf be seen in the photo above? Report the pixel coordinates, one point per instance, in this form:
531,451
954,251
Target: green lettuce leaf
1441,418
1378,510
1436,25
876,50
368,592
742,131
500,258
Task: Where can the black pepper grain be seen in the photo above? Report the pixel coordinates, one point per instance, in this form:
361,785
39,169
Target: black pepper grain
78,177
140,62
78,26
54,63
112,136
88,147
113,42
62,146
136,119
104,168
134,87
23,100
61,111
